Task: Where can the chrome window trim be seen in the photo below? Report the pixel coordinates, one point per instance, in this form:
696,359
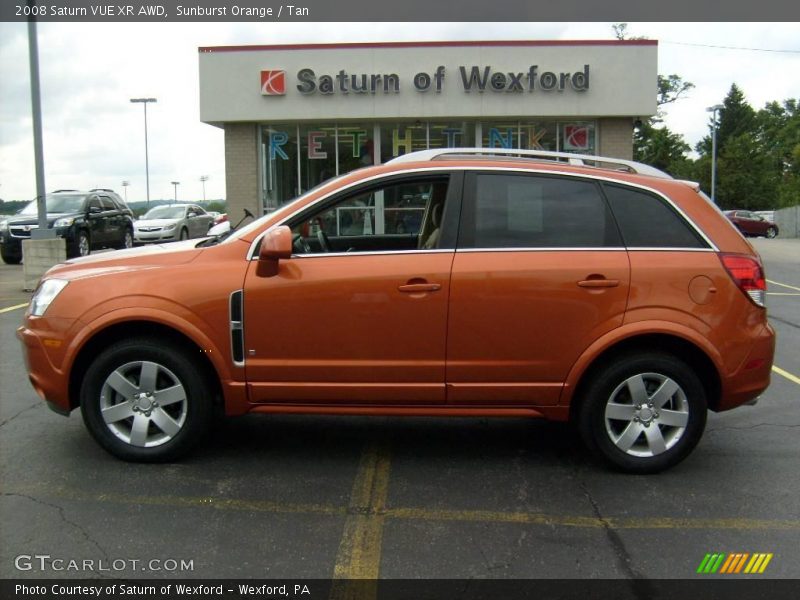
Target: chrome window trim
585,248
510,169
373,253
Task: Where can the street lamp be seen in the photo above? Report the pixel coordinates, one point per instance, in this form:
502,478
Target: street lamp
713,110
175,185
203,179
125,185
144,102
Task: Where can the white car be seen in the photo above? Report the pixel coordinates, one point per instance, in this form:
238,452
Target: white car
172,222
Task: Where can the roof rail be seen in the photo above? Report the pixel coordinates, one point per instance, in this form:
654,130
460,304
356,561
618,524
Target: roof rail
573,159
57,191
100,190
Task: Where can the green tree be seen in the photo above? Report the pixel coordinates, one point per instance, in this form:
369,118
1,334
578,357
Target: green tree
654,143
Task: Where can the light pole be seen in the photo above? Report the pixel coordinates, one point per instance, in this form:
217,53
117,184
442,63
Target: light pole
144,102
203,179
175,185
713,110
125,185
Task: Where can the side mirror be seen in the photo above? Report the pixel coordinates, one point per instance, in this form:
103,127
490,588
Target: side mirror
277,244
192,215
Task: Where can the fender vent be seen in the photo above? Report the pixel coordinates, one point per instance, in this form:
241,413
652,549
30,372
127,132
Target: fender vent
237,327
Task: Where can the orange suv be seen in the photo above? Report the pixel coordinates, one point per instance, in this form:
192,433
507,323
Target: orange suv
468,282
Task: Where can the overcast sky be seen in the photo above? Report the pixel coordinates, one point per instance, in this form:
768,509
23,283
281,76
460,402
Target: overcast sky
93,135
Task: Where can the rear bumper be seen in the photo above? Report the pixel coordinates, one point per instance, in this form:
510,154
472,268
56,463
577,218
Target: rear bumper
753,376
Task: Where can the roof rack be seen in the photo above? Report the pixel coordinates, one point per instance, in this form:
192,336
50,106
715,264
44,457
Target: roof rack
573,159
58,191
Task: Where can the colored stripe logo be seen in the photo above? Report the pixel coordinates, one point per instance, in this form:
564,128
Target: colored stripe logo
734,563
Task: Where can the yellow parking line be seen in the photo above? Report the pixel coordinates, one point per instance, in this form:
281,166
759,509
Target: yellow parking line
789,376
359,551
359,554
486,516
786,285
15,307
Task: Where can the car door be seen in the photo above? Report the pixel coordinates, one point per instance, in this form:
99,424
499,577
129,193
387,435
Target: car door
97,223
366,325
112,221
540,272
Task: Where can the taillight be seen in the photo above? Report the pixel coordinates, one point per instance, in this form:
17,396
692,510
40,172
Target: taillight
748,274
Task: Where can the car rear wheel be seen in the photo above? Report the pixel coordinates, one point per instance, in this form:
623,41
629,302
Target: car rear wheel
127,240
644,413
772,232
146,401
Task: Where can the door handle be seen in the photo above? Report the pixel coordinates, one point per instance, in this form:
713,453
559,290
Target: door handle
416,288
598,283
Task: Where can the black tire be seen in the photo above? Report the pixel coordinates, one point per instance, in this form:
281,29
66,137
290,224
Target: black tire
136,431
627,380
127,240
81,239
772,232
11,259
184,234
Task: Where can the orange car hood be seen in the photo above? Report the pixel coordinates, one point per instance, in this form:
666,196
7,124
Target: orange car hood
133,259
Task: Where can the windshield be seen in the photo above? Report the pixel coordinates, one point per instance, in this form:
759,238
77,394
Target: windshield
56,204
285,209
165,212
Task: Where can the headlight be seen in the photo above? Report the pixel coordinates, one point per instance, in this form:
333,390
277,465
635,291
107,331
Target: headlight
64,222
170,227
46,293
4,224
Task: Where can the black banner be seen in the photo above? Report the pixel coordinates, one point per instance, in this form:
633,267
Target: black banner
711,588
406,11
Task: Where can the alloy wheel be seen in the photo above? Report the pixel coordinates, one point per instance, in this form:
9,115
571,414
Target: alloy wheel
646,414
143,404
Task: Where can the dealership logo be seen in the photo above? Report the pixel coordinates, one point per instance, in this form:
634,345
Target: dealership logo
734,563
273,83
576,137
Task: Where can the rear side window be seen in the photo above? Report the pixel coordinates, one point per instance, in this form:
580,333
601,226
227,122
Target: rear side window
646,221
107,203
531,211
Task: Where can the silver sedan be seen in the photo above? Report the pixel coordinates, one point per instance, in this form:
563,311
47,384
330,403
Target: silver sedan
172,222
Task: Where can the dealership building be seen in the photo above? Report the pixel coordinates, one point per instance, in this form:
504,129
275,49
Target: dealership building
295,116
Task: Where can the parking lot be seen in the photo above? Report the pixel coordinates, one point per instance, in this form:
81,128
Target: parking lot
322,497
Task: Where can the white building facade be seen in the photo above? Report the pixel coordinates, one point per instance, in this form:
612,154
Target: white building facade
295,116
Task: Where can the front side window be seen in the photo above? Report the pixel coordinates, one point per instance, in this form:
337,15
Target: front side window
403,215
532,211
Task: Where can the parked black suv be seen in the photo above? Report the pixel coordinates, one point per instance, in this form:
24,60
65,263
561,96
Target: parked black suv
98,218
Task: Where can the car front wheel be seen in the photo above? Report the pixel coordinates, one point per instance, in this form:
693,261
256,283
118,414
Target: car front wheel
772,232
11,259
146,401
643,413
84,244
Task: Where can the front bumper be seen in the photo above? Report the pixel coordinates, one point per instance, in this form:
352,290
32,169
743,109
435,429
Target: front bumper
150,237
41,351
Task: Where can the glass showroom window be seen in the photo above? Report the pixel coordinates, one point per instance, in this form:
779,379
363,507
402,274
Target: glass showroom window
317,154
356,146
280,168
456,134
566,136
401,138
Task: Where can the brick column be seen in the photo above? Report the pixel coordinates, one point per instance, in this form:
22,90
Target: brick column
241,170
616,137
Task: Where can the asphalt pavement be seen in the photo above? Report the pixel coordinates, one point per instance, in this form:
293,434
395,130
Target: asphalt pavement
318,497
